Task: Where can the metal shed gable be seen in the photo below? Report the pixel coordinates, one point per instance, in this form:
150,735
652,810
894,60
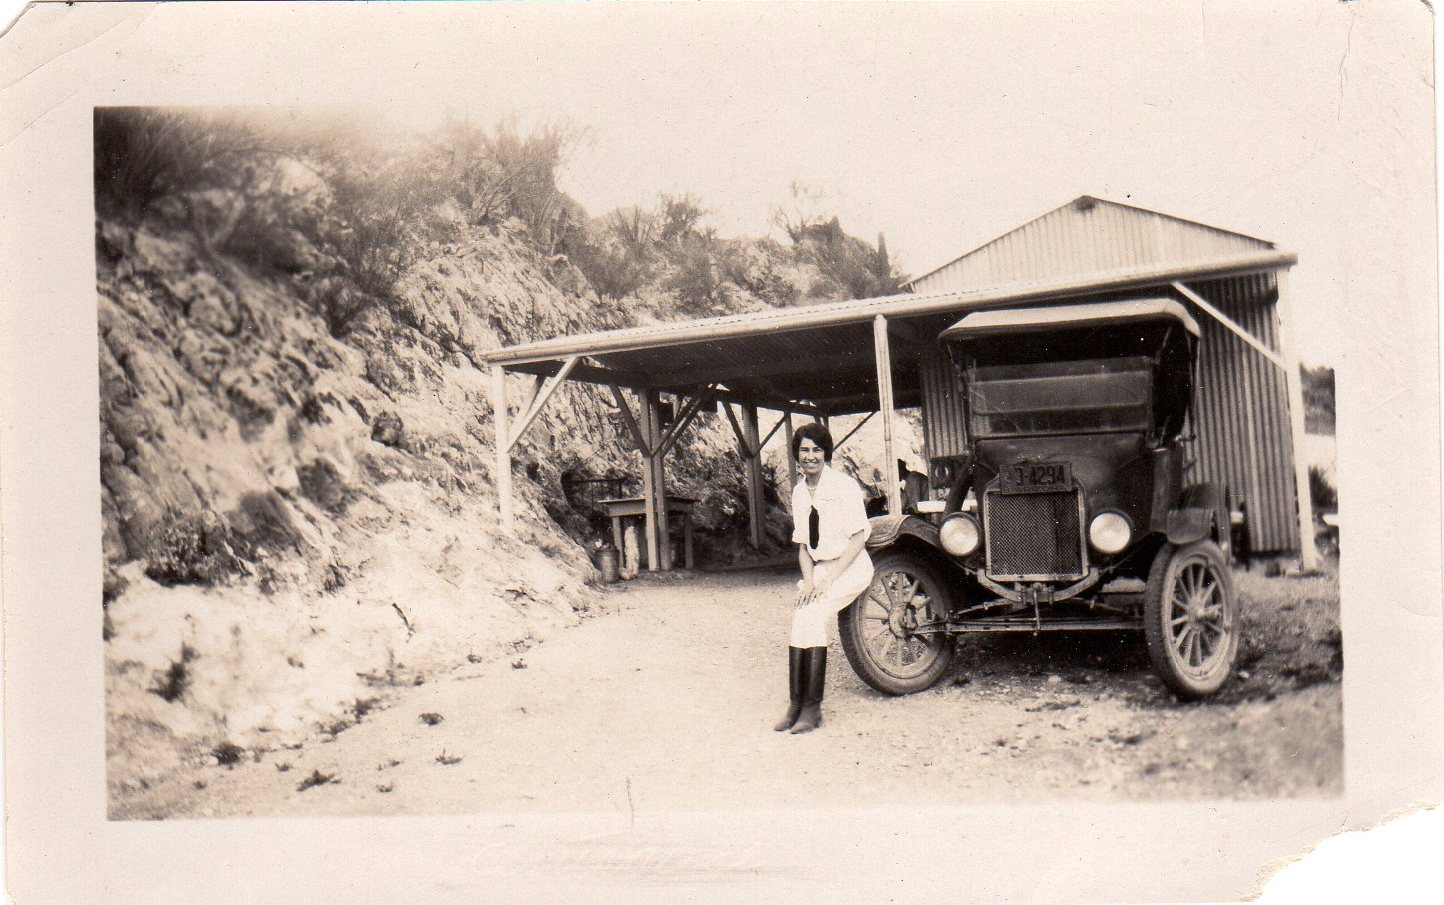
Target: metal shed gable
1088,235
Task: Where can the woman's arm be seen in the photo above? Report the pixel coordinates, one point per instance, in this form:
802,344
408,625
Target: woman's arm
855,543
804,562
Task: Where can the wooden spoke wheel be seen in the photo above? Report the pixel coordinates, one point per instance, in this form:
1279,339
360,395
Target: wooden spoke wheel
1191,619
880,630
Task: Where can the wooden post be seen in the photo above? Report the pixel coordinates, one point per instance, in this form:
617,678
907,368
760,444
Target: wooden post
885,406
1308,550
791,462
647,400
503,447
754,474
659,481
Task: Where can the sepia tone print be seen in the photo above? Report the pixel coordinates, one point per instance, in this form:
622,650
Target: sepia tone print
428,491
726,452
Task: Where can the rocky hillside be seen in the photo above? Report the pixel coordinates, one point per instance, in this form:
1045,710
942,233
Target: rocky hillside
297,448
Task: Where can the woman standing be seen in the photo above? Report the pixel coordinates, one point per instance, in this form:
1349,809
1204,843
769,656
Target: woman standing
830,527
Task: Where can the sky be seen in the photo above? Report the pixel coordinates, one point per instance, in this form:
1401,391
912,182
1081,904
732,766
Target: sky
944,126
1306,123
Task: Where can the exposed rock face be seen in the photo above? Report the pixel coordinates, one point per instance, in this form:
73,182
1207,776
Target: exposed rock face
291,519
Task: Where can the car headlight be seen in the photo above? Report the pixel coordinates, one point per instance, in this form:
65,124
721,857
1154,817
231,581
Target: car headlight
960,534
1109,532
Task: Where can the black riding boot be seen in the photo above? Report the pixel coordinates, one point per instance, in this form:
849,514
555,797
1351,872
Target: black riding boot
796,676
816,668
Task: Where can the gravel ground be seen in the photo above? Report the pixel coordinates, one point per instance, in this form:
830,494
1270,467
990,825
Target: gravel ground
668,701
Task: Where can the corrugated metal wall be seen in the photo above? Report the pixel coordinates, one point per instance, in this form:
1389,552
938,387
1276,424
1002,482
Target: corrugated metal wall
944,432
1245,437
1243,422
1086,236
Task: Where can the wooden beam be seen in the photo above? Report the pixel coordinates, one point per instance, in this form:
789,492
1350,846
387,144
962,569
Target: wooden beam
763,444
1229,323
754,477
540,400
537,383
585,373
1308,549
884,398
629,420
751,370
857,405
742,446
848,436
685,418
503,449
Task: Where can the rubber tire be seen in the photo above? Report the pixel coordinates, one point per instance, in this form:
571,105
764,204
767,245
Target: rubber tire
1161,578
850,624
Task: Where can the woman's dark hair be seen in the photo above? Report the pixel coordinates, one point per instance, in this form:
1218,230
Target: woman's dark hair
818,434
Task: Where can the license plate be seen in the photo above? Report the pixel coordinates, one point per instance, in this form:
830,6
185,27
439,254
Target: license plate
1036,477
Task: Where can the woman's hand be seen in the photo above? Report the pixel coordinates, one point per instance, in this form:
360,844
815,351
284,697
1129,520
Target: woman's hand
812,590
804,593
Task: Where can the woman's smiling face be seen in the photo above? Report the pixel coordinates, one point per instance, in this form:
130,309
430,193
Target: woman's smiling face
810,458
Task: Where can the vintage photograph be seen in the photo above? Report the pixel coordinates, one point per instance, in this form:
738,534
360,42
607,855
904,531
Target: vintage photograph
722,446
428,489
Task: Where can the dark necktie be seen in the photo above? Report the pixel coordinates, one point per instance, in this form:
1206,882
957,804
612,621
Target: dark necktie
813,521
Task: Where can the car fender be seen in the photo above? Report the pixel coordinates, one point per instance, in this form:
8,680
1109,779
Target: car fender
887,529
1199,512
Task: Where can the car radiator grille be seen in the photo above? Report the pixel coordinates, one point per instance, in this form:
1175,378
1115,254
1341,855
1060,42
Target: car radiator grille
1034,535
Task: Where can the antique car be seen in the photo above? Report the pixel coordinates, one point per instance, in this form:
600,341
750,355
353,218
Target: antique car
1071,508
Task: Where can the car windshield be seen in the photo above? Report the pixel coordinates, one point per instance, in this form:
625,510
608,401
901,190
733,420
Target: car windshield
1061,397
1091,380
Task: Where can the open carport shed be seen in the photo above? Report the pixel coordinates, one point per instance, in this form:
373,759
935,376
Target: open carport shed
879,354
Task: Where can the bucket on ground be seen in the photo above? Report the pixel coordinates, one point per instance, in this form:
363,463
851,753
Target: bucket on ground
608,563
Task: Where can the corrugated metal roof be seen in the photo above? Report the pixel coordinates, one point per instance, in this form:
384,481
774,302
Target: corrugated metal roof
823,354
1087,235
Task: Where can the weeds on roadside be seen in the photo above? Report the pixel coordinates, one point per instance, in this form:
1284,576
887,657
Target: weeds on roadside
317,778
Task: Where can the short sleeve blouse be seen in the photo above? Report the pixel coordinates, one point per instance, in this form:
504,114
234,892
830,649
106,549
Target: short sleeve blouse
841,510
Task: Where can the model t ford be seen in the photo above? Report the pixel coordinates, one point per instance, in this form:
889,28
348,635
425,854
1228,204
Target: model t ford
1070,507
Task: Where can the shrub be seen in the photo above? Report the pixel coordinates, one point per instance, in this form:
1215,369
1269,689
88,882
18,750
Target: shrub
145,154
1323,493
262,523
510,173
321,483
172,683
697,281
678,216
191,548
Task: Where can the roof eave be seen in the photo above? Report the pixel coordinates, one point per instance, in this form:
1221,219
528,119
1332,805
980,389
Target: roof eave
862,310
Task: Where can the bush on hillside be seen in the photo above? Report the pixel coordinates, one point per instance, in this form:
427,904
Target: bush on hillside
1325,497
849,266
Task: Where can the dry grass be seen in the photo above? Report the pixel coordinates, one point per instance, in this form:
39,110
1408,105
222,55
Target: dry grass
1291,636
1291,641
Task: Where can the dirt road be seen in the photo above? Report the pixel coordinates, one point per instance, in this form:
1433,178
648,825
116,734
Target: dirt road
668,702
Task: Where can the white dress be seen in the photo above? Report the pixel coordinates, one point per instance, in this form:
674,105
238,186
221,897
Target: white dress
842,513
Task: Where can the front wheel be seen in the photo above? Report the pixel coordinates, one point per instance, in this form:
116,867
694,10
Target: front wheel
1190,618
880,630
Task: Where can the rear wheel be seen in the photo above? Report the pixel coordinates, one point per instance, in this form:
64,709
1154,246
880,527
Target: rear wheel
1190,618
880,629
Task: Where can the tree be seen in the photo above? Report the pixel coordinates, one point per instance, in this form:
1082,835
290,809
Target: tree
802,212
